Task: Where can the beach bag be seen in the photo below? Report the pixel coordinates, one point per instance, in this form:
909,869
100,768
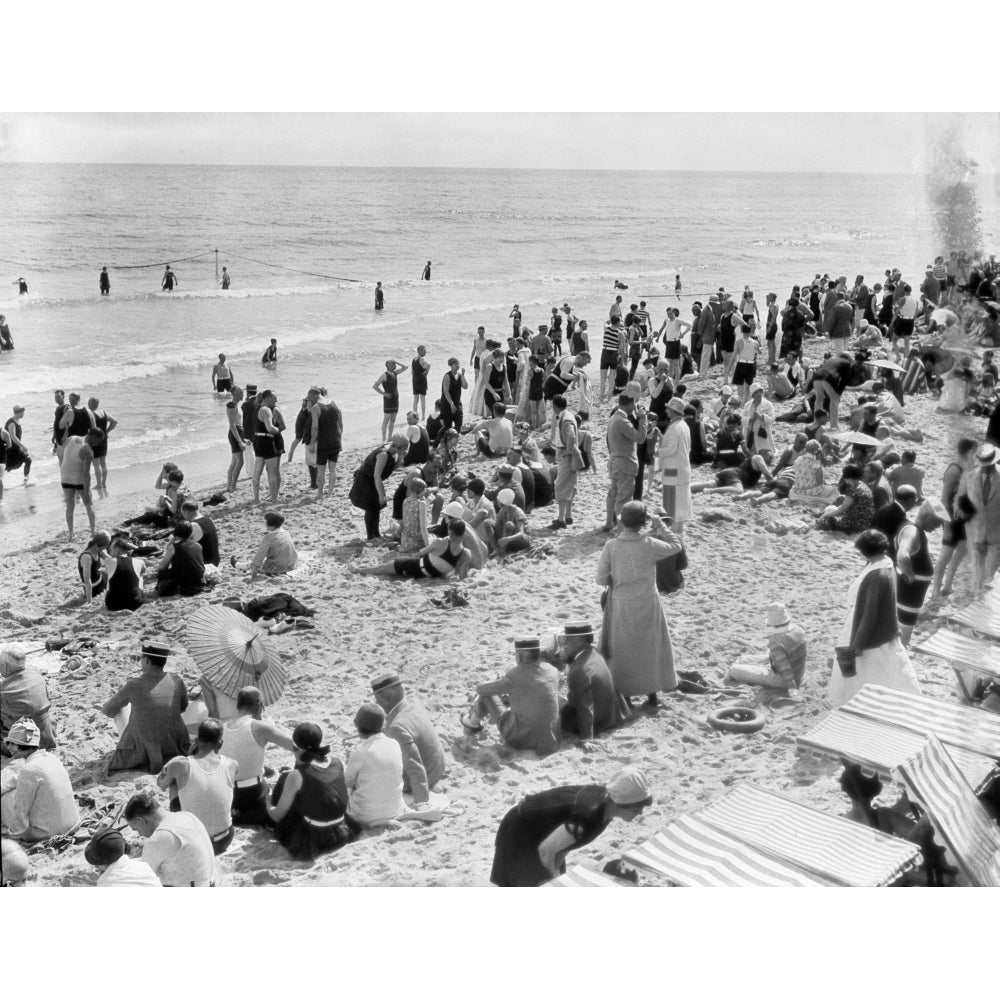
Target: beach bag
669,573
846,660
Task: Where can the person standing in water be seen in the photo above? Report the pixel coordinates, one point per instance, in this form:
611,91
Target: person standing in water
169,280
379,296
225,280
270,355
105,282
426,276
223,378
677,286
22,286
6,340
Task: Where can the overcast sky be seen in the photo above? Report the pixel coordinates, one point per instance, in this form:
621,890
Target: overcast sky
693,141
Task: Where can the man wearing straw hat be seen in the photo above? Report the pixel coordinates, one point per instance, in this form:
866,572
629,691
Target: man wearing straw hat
784,666
154,731
532,721
980,489
592,704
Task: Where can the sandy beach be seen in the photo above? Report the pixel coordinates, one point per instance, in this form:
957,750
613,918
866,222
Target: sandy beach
365,626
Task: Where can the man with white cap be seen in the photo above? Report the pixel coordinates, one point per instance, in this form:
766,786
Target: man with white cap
536,835
37,800
592,705
106,852
407,722
914,566
980,489
784,666
532,689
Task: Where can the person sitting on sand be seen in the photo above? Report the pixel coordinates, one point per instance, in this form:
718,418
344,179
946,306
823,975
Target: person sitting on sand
809,486
784,664
532,689
155,731
276,553
106,852
37,799
177,845
407,722
90,566
456,510
374,772
244,740
855,510
512,531
168,506
124,573
536,835
182,568
907,473
203,784
309,804
413,522
508,478
873,476
495,435
480,514
24,694
729,447
439,559
592,705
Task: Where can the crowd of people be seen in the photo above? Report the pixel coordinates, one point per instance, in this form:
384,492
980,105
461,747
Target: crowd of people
526,411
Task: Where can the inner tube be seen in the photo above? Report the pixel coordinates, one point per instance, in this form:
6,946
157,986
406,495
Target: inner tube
736,720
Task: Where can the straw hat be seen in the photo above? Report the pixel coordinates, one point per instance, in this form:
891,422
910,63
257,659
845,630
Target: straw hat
777,615
675,405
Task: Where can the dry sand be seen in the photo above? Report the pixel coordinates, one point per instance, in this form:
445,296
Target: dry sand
365,626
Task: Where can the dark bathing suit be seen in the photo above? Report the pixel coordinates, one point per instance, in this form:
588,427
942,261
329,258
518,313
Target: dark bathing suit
417,569
390,394
328,438
235,441
419,377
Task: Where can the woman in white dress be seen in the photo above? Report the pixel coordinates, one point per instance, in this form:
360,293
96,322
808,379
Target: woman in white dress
871,628
675,466
477,405
758,422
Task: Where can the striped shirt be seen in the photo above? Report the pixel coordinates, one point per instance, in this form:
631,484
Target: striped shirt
612,338
941,272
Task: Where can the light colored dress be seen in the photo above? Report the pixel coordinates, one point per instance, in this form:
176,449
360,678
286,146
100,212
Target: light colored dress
888,664
635,639
410,539
477,401
583,400
809,487
675,465
759,418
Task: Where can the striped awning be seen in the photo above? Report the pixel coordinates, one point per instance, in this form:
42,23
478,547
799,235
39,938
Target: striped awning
579,876
831,847
692,853
966,728
962,652
880,747
981,617
933,781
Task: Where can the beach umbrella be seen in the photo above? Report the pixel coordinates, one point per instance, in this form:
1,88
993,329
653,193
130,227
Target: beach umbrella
943,361
889,365
234,652
854,437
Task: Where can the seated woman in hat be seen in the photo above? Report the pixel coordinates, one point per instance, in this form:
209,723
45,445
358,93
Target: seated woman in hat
374,773
309,804
784,664
154,732
855,509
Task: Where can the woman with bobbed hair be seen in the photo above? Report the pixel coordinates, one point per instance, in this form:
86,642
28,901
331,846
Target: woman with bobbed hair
869,641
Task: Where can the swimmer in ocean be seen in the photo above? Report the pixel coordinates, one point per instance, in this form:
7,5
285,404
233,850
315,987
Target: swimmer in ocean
105,282
620,285
222,376
379,296
6,340
426,276
677,286
169,280
22,286
270,355
225,280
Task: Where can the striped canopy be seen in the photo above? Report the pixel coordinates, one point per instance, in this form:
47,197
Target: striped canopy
581,877
965,728
692,853
981,616
881,748
973,839
837,849
973,654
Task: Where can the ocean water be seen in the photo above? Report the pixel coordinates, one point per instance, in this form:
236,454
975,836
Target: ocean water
305,247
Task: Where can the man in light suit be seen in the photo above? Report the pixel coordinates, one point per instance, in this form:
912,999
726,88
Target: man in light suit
981,488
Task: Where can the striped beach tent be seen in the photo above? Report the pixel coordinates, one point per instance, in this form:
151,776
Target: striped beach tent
934,782
956,725
881,748
581,877
980,616
965,655
831,847
692,853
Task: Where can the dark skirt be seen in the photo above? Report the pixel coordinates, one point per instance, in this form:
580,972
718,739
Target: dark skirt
515,858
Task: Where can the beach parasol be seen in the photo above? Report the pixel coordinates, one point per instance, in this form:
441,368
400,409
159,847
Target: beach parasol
233,652
890,365
943,361
854,437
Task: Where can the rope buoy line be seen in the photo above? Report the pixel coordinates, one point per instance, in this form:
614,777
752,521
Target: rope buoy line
159,263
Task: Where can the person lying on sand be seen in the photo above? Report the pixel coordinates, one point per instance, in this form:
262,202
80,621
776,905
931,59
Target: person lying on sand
442,558
783,665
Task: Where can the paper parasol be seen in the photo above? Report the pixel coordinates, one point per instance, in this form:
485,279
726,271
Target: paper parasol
855,437
891,365
943,360
233,652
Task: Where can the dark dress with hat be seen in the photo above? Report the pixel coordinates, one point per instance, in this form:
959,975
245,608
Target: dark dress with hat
155,732
581,809
363,493
317,821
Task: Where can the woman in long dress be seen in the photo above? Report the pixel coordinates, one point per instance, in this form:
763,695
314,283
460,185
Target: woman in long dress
758,421
477,405
871,627
635,639
675,466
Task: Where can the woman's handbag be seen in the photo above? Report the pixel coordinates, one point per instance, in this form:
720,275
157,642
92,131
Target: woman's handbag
847,660
669,575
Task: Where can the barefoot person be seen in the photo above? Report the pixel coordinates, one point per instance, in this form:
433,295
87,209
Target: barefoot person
223,378
18,455
104,423
953,538
326,436
267,454
238,443
441,558
419,367
77,458
387,386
